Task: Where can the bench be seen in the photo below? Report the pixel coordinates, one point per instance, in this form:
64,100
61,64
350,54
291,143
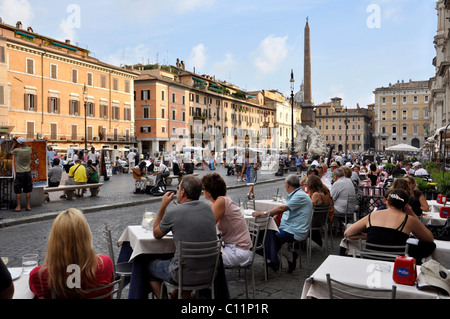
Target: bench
171,177
70,189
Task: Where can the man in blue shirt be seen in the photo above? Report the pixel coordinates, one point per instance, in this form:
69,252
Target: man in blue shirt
295,222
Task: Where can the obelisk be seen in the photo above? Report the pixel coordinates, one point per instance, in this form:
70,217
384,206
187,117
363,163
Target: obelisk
307,105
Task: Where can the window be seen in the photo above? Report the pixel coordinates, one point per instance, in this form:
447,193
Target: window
2,54
383,130
174,113
415,99
163,111
394,130
162,95
53,105
115,84
146,112
183,100
426,98
74,132
416,129
103,81
30,130
394,115
90,79
394,100
30,66
145,95
404,100
90,109
405,114
74,75
383,115
404,129
2,95
415,114
184,116
163,129
53,131
174,97
53,71
146,129
103,111
383,100
30,102
74,107
127,114
426,112
116,111
127,86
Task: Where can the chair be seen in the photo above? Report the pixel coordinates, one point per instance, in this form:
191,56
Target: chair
339,290
320,222
120,269
380,252
263,222
202,253
250,204
254,229
115,290
351,205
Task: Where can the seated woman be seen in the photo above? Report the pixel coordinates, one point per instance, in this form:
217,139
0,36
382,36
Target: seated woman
392,226
230,222
70,243
319,195
417,200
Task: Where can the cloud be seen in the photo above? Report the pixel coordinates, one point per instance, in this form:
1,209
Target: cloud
270,53
128,56
198,57
12,11
223,69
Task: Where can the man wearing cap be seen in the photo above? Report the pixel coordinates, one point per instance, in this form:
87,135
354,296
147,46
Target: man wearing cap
23,181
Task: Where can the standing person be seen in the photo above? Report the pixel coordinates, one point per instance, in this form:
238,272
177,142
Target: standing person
131,163
192,221
251,168
71,228
23,181
94,156
373,174
230,222
294,224
298,162
239,163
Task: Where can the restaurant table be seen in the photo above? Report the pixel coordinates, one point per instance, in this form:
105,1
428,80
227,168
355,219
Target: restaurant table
21,286
140,247
441,254
363,273
432,219
262,205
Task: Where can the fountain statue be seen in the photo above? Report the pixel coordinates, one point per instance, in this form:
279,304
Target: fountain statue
309,140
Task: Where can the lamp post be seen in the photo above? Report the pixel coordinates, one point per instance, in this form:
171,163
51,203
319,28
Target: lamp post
293,164
85,118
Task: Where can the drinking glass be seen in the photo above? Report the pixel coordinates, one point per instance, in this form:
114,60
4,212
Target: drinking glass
148,221
29,262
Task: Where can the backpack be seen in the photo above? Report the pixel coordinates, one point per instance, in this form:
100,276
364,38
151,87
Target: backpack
159,189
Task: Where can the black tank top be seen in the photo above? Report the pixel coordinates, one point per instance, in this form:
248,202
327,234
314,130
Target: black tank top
387,236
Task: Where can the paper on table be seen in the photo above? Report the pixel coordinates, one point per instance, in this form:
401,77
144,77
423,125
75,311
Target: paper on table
15,272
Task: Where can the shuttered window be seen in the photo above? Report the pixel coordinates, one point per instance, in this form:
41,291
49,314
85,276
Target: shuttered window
74,132
30,66
53,131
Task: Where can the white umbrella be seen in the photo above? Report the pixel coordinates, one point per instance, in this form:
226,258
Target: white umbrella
403,148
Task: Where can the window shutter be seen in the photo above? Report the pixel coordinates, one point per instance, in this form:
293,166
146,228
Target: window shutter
34,102
49,104
58,106
25,102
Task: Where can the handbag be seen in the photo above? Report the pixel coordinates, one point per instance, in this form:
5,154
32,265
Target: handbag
93,178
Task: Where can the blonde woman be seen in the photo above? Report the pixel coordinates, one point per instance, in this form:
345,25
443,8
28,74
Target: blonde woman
70,244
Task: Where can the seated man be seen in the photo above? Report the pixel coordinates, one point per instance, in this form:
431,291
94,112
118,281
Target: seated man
77,176
340,190
191,221
161,171
177,168
294,224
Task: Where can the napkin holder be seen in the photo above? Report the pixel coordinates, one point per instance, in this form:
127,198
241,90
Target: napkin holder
444,212
439,199
405,270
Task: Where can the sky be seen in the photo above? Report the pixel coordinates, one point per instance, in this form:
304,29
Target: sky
356,45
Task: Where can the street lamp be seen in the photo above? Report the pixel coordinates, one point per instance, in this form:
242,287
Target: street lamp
293,164
85,118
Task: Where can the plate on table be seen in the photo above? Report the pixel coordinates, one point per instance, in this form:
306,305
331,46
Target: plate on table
15,272
248,212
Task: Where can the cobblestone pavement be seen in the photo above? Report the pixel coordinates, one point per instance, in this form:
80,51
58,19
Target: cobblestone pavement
27,232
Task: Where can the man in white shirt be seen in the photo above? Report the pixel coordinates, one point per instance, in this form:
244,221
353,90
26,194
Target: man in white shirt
419,170
131,163
342,187
162,171
93,156
323,178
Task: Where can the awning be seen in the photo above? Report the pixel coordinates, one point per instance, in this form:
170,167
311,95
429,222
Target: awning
198,80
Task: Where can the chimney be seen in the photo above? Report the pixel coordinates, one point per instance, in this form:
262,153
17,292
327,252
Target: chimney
67,41
19,25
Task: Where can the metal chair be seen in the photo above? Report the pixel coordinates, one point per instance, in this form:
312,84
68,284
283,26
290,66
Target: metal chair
340,290
263,222
380,252
351,205
320,222
254,230
205,254
120,269
113,290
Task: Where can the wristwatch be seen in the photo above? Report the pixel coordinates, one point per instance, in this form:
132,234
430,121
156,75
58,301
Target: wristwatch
266,213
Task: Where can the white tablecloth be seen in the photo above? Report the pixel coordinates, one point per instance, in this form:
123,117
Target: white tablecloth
433,219
248,216
262,205
21,286
143,242
360,272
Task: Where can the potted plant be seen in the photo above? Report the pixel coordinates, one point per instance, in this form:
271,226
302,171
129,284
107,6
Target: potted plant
426,187
443,183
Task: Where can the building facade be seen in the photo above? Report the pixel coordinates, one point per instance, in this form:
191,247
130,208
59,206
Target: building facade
440,83
176,109
402,114
347,130
56,91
